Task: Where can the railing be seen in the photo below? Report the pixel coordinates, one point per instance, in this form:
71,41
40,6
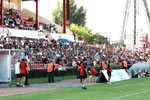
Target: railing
40,66
5,31
34,66
37,66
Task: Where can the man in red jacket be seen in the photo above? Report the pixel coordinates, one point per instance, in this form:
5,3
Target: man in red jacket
83,73
23,71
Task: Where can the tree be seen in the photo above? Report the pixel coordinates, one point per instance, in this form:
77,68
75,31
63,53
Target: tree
58,14
101,39
83,33
86,33
77,15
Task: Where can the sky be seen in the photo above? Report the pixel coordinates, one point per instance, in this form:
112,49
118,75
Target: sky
103,16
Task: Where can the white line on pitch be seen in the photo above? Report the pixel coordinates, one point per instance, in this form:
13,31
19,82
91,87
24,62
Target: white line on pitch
129,95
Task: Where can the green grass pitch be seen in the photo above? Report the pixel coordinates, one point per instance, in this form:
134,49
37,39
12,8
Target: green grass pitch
133,89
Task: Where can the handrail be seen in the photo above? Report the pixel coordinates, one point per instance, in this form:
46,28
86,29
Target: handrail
5,31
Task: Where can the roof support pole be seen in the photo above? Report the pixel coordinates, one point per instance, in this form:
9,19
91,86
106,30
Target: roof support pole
1,12
64,16
37,15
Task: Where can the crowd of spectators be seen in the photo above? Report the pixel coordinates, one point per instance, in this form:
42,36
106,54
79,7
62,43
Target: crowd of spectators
145,73
40,50
50,28
64,53
18,20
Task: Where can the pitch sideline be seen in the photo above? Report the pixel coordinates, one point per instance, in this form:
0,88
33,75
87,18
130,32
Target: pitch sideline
129,95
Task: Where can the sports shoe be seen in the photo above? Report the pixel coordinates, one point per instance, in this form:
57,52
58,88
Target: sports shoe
18,85
23,86
27,84
109,83
84,88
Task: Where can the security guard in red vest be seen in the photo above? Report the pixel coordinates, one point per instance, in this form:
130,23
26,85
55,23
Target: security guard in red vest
102,65
51,71
125,65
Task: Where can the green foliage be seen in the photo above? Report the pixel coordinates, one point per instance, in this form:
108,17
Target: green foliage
101,39
77,20
81,31
86,33
77,15
58,14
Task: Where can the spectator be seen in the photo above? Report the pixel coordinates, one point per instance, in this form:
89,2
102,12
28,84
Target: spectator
93,72
17,72
27,73
109,70
50,70
124,65
84,73
23,70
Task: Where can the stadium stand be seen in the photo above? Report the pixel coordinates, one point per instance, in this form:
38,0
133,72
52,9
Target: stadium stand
64,53
18,20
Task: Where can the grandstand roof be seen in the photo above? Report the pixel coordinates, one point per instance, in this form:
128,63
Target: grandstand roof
27,0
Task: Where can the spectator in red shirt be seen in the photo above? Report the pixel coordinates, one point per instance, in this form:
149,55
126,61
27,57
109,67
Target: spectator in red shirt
23,70
74,34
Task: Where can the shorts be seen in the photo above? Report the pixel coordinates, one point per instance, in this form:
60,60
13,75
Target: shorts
23,75
109,73
18,75
85,76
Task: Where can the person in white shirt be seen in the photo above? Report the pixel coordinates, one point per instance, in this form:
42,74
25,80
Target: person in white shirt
73,63
17,73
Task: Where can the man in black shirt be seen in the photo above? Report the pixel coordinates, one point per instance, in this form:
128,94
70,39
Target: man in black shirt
45,61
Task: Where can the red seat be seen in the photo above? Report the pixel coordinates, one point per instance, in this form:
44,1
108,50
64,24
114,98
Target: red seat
37,66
